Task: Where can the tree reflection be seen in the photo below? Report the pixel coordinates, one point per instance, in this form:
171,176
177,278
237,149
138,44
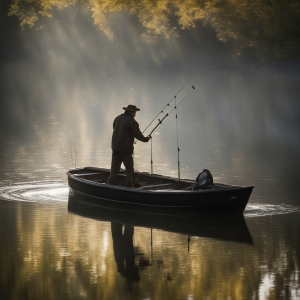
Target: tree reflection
231,20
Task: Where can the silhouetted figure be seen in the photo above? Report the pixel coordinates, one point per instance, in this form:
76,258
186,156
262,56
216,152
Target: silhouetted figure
124,251
125,130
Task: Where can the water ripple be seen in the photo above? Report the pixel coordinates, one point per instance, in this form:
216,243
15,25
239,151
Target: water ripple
50,191
261,210
36,191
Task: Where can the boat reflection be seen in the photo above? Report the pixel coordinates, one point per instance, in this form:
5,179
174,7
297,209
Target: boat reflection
220,226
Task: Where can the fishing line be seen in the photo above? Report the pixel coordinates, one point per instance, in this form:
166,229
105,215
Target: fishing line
168,104
151,159
178,150
195,85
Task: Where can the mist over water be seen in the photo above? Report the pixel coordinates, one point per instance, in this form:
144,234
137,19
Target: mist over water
66,71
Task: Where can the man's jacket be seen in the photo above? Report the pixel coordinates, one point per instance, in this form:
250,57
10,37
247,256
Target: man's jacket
126,128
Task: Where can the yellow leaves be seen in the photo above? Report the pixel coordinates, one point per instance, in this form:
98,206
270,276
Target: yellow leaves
29,11
230,19
100,18
189,12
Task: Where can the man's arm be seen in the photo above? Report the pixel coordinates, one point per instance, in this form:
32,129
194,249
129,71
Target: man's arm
138,134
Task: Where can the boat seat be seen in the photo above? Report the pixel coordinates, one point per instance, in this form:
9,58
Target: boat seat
85,174
157,186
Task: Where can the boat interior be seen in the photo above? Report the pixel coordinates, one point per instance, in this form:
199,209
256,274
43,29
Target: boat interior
142,180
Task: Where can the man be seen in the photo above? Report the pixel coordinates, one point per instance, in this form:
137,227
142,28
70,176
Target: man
125,130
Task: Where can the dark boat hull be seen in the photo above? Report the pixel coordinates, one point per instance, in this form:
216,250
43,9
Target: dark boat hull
226,199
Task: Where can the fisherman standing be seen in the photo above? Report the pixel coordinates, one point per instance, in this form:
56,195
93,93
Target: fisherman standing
125,130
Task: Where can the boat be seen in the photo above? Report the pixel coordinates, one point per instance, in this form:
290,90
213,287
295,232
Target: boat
218,226
153,191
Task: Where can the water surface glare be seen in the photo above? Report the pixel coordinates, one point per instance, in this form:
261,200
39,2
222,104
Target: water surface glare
67,68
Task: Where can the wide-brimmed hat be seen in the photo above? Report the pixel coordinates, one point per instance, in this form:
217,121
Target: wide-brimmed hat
131,107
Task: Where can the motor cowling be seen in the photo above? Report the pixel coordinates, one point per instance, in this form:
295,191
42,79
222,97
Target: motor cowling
204,180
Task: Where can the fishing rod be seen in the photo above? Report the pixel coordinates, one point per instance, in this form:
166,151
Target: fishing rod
168,104
193,86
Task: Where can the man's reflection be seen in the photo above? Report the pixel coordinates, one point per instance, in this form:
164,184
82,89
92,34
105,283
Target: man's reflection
124,251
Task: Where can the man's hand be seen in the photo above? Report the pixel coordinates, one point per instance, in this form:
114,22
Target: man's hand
149,137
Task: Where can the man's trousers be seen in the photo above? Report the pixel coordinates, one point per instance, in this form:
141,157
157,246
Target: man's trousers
117,159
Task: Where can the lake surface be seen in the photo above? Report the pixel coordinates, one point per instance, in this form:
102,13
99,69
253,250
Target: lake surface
66,78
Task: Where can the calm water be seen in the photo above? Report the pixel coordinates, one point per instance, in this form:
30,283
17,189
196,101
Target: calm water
65,78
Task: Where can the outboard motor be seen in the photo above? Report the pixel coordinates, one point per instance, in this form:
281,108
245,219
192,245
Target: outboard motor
203,181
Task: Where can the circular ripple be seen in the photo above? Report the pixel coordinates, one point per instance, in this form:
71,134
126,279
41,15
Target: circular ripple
49,191
37,191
